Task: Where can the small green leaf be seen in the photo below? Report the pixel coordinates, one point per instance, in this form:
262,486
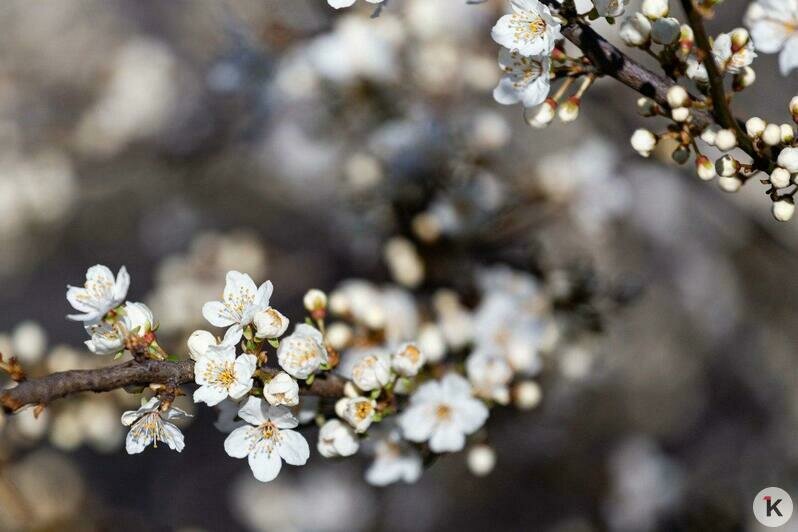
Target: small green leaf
248,332
274,342
119,355
173,358
310,379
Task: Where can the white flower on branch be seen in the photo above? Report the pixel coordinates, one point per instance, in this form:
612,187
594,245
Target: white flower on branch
107,339
268,440
282,390
357,411
269,323
199,342
408,360
443,413
100,293
525,79
373,371
220,374
302,353
610,8
490,374
337,439
732,56
530,29
774,28
150,424
241,301
394,461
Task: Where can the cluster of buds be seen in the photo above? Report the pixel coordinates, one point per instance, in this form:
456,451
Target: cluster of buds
651,25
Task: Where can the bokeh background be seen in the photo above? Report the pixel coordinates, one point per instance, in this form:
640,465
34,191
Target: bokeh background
284,139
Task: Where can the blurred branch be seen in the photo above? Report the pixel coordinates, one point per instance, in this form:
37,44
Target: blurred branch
44,390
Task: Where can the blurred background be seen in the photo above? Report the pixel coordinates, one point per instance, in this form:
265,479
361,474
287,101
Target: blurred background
307,146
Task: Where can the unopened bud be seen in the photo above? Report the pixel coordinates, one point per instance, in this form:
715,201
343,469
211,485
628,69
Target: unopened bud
655,9
527,395
708,136
677,97
704,168
727,166
794,108
772,135
788,159
543,115
481,459
647,106
643,142
744,79
783,209
739,38
665,30
780,177
730,184
680,114
755,126
635,30
686,39
787,133
725,140
315,302
681,154
569,110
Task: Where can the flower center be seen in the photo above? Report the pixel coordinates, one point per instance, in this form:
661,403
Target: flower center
237,303
443,413
363,409
527,27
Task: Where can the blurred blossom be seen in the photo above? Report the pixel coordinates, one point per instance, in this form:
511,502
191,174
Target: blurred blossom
29,342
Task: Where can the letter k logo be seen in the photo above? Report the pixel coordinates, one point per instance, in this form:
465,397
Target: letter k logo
772,506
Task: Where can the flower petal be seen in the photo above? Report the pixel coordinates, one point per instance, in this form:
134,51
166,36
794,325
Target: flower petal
253,411
265,465
417,423
210,395
293,448
447,438
239,443
217,314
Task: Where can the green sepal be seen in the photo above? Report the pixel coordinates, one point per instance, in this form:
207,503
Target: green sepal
274,342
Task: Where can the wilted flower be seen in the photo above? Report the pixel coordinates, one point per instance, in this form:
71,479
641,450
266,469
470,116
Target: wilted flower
303,352
149,424
443,412
337,439
241,301
282,390
100,293
268,440
220,374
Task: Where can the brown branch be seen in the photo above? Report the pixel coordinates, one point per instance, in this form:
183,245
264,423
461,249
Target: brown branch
47,389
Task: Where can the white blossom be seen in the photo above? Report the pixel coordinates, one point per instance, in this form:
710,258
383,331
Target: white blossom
199,342
269,323
490,375
525,79
481,459
282,390
443,413
357,411
240,302
373,371
611,8
220,374
107,339
100,293
337,439
394,461
268,440
530,29
407,360
149,425
303,352
774,27
730,58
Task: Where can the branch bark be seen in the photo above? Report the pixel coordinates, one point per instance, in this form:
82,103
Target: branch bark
47,389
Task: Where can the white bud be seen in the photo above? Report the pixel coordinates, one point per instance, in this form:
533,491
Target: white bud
481,459
705,168
282,390
198,343
314,300
665,30
527,395
646,106
569,110
725,140
372,371
787,133
29,342
755,126
339,335
337,439
772,135
643,141
730,184
680,114
407,360
780,177
678,97
788,158
744,78
783,209
655,9
727,166
541,116
269,323
708,136
739,38
635,30
793,107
